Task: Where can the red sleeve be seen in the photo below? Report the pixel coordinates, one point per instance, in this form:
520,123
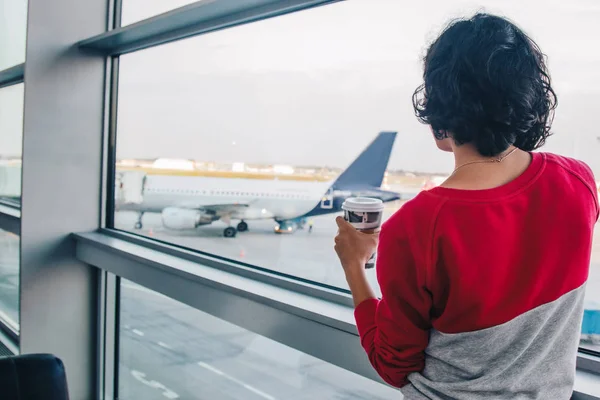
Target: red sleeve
593,187
394,331
584,173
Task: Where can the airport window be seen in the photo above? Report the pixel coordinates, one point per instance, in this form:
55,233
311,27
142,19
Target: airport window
11,138
170,350
9,279
318,97
13,29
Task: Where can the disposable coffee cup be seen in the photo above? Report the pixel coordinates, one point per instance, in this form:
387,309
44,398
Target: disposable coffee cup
364,214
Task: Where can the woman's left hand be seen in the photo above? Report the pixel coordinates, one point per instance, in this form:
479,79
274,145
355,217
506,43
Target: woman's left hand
354,248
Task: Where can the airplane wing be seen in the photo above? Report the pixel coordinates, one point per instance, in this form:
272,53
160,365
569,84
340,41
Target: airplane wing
218,209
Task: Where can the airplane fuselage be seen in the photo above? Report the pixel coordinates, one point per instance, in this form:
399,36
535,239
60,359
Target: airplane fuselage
187,199
250,199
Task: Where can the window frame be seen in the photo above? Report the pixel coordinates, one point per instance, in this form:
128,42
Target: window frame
12,76
250,302
10,217
290,282
191,20
120,254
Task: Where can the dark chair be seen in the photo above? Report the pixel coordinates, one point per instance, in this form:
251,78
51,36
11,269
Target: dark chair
33,377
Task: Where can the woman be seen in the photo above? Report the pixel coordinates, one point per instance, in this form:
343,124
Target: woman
482,278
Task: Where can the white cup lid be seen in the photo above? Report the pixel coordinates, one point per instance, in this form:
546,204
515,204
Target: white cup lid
363,204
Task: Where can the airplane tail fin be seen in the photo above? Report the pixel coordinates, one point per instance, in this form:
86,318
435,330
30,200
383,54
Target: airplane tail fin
369,167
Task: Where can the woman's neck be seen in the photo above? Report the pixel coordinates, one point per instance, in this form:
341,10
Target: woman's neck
468,153
476,172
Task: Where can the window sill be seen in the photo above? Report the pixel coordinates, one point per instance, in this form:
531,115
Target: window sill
267,309
587,386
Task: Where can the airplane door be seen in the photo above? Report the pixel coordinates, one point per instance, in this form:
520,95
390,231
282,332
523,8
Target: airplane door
131,187
327,200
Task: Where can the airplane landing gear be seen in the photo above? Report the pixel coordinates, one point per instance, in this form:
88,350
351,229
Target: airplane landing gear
284,227
138,224
230,232
242,227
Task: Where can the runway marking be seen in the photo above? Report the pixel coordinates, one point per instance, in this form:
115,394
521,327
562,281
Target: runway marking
168,393
235,380
137,332
166,346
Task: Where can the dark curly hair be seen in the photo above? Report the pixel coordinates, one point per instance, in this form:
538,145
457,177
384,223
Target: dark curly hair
486,83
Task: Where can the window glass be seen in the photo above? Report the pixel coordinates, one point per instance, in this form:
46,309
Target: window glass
170,350
9,279
11,142
13,30
136,10
285,105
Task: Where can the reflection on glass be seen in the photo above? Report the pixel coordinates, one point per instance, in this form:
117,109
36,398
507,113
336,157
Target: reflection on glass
11,138
9,279
170,350
13,29
235,142
136,10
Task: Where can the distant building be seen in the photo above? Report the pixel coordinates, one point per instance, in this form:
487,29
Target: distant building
166,163
238,167
283,169
434,181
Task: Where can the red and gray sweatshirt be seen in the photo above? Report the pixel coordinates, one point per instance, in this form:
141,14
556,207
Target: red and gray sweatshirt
482,290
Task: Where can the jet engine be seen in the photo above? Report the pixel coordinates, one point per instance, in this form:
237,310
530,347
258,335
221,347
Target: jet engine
186,219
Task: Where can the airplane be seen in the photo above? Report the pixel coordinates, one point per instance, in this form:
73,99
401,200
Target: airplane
186,202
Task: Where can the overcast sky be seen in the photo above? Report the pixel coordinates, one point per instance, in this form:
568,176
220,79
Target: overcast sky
314,87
